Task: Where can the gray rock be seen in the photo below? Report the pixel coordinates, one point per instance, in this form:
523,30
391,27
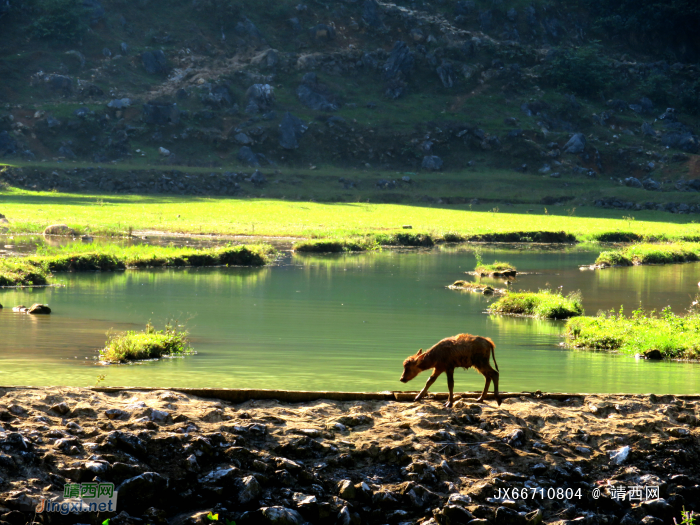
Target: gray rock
250,34
633,182
681,140
446,73
651,185
576,144
370,14
506,516
315,95
94,11
250,490
140,492
246,155
115,413
261,95
154,62
39,309
282,516
60,229
432,162
219,96
647,130
160,113
106,52
124,48
60,84
322,33
83,112
119,103
242,138
66,152
8,145
258,178
291,129
400,63
346,490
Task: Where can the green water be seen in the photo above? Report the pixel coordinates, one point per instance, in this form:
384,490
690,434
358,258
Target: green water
336,323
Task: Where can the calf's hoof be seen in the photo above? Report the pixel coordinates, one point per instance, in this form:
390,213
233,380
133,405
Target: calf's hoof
499,401
448,404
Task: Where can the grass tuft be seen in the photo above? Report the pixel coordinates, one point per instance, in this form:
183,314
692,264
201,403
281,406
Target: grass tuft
496,268
647,253
673,336
128,346
544,304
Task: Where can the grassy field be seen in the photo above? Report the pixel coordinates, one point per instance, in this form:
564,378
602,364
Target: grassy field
36,270
31,212
673,336
647,253
544,304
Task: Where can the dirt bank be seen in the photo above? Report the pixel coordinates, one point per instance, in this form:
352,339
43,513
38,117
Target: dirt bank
174,457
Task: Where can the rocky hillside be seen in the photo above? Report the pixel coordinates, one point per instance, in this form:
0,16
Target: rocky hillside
581,88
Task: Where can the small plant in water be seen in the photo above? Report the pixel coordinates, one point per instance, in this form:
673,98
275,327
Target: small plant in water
100,378
477,256
127,346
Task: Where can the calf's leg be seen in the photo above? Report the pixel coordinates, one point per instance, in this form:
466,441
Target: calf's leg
450,385
428,383
490,374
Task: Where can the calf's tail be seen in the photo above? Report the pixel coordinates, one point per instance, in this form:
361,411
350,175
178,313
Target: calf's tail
493,352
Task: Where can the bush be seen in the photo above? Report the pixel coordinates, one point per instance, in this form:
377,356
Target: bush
60,20
149,344
544,304
580,70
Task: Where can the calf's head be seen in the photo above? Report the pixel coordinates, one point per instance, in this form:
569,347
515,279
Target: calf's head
410,367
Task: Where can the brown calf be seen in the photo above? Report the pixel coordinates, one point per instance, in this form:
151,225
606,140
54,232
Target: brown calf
463,350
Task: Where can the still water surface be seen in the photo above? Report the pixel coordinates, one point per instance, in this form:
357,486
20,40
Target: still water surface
337,323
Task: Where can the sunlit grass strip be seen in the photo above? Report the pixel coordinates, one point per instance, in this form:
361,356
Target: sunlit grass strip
674,336
497,267
128,346
20,271
647,253
544,304
335,245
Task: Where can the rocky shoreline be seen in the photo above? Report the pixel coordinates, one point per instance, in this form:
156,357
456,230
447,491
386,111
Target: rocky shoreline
175,458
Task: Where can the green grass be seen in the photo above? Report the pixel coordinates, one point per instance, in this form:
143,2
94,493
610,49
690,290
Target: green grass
36,270
127,346
496,267
647,253
674,336
104,214
544,304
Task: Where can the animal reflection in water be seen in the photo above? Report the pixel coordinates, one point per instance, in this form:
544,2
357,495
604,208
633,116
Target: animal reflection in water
463,350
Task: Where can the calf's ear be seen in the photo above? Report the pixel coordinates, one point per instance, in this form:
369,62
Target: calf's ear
420,351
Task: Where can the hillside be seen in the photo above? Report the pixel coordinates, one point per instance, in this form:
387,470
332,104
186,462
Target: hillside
601,99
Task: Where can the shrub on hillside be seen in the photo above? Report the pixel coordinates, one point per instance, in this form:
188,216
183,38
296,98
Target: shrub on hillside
60,19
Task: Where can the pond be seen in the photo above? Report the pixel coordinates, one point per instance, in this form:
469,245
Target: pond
342,322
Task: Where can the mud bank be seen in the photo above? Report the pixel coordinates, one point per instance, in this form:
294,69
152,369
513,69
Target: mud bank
174,457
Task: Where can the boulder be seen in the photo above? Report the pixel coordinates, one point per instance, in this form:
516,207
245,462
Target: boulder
138,493
60,84
650,184
119,103
258,178
322,33
262,96
282,516
576,143
154,62
93,10
249,33
315,95
446,73
370,14
219,96
400,63
246,156
60,229
633,182
38,308
8,145
161,113
432,162
681,140
291,129
647,130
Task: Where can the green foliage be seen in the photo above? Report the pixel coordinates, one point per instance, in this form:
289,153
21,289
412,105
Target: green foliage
17,271
647,253
674,336
580,70
496,267
544,304
60,19
658,87
149,344
687,518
